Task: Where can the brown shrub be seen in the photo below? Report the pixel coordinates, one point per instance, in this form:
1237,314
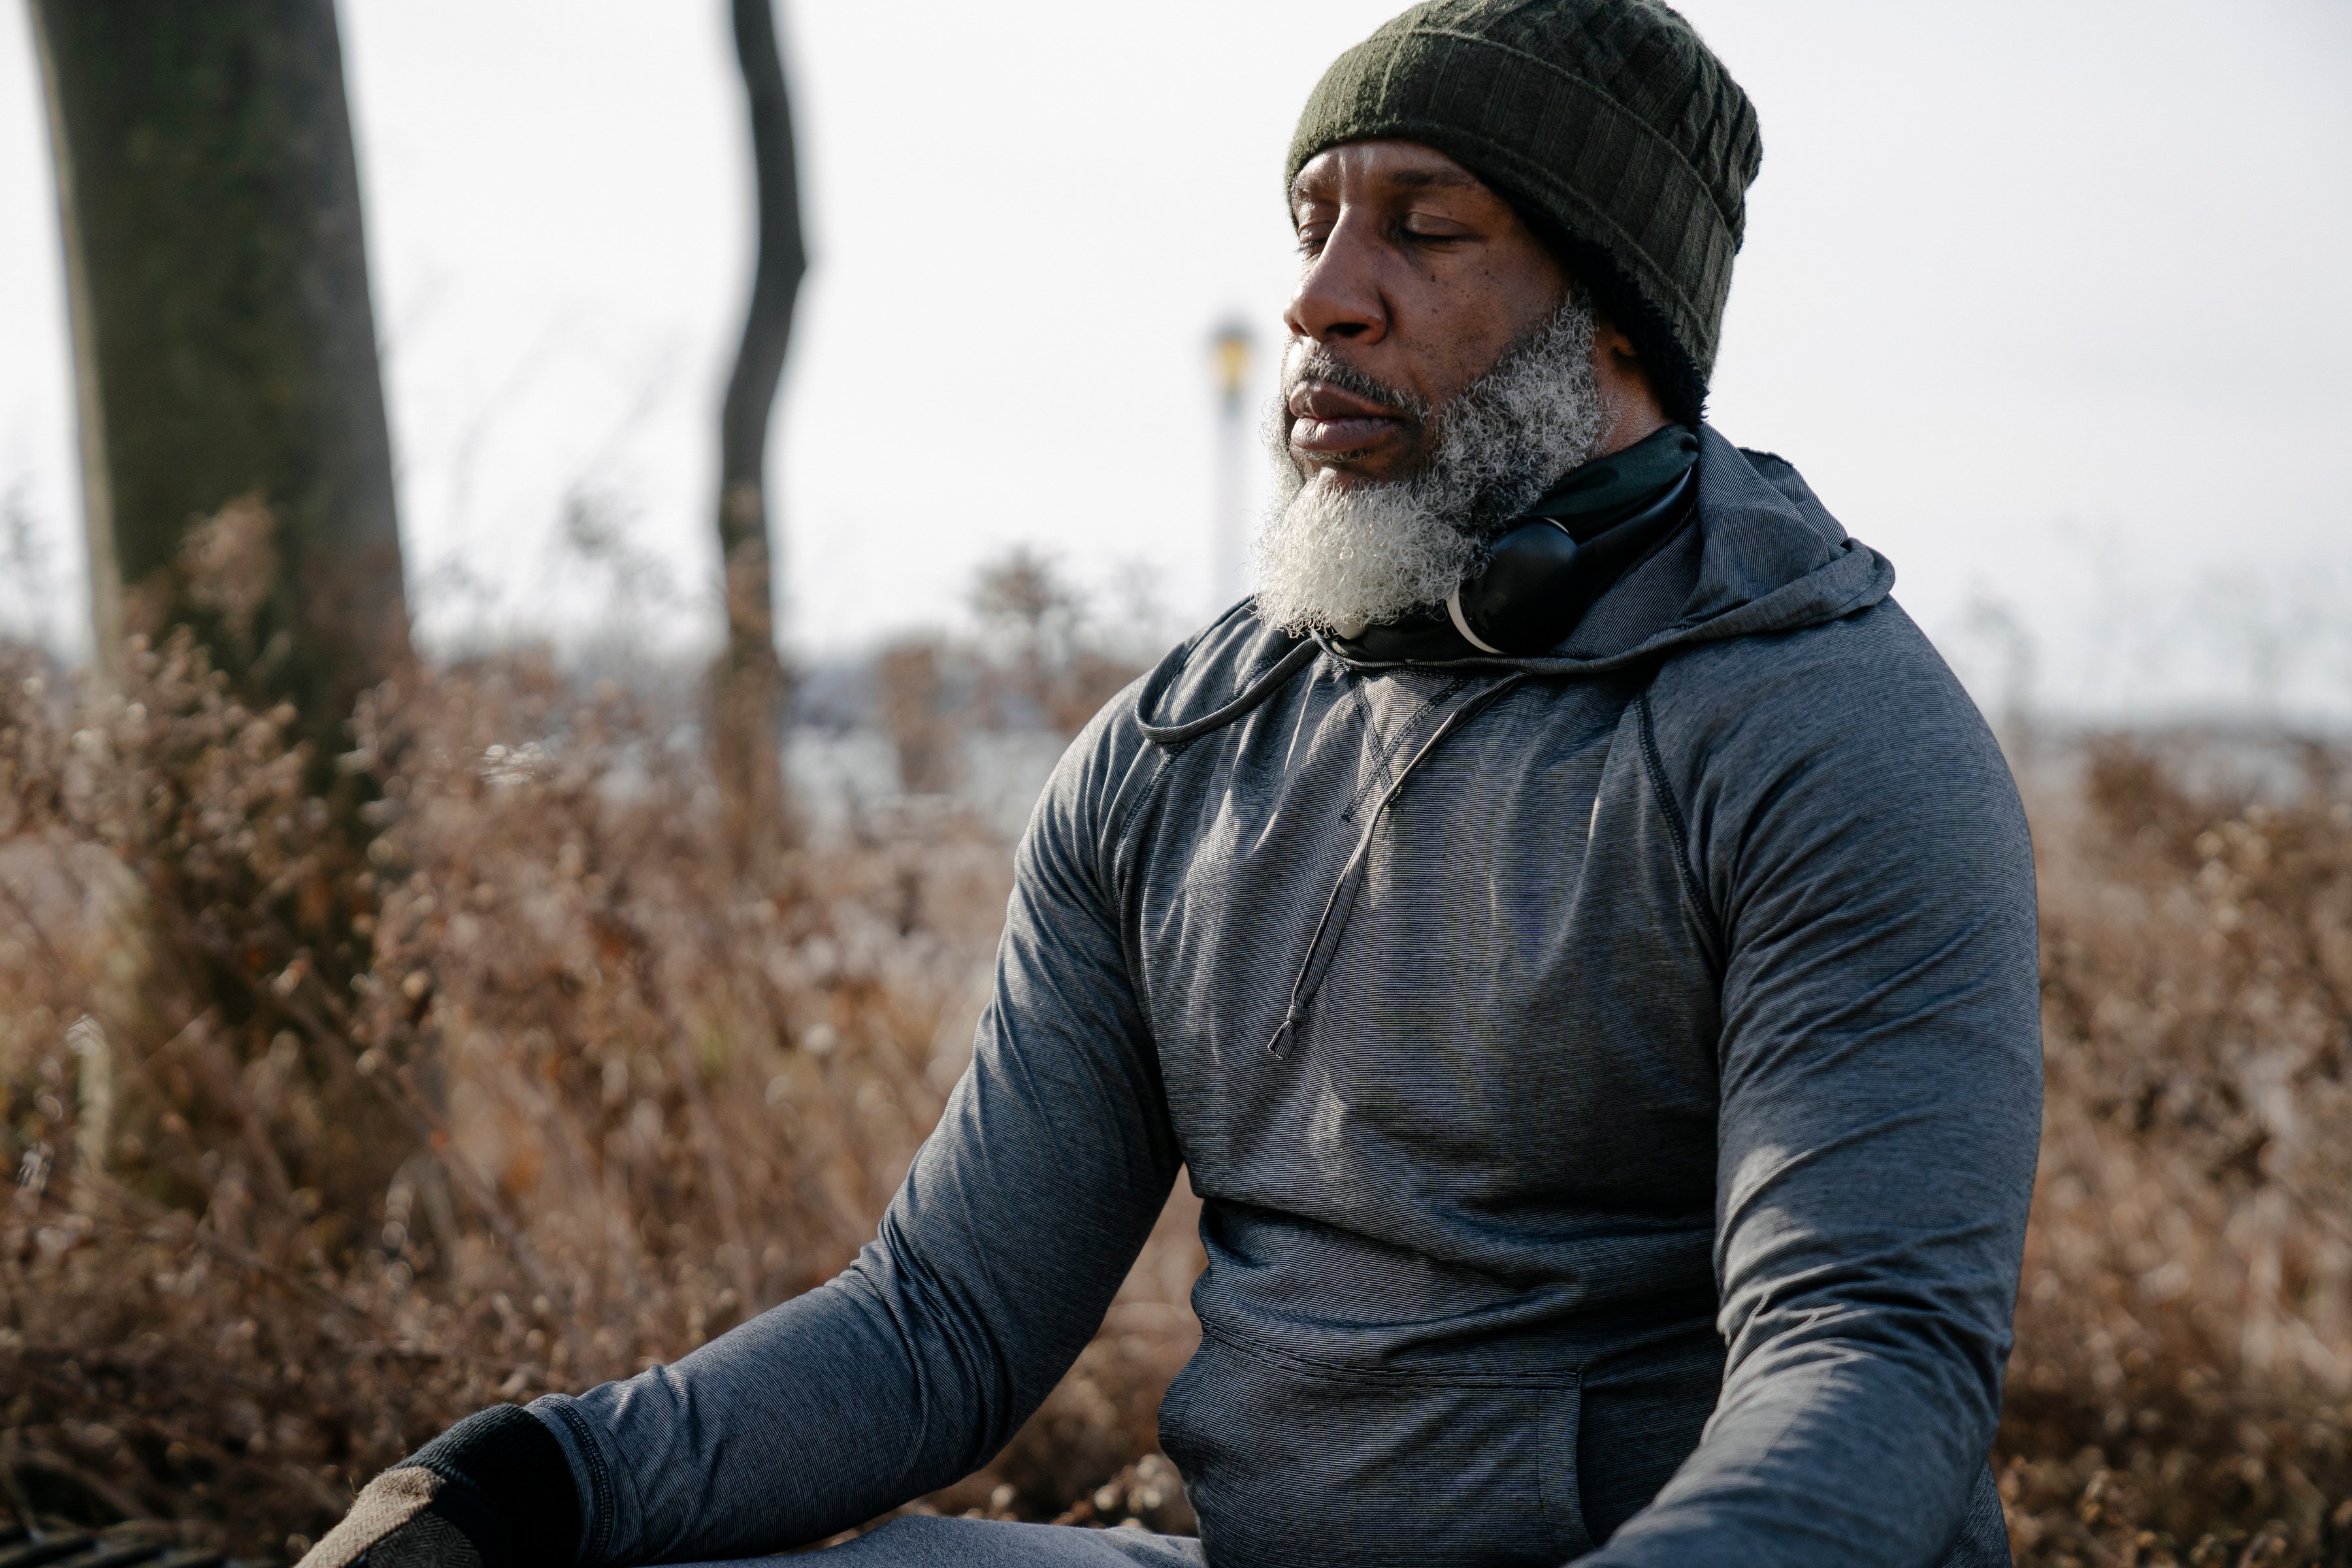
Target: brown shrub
1041,657
913,703
324,1139
2185,1329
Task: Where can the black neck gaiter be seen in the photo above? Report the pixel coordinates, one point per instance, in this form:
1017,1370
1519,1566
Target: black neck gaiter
1605,492
1588,503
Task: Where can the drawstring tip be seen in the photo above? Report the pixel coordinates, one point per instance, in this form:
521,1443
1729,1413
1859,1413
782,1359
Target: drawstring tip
1279,1046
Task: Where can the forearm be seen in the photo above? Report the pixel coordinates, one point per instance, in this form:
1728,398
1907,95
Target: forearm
904,1373
828,1410
992,1269
1846,1452
813,1416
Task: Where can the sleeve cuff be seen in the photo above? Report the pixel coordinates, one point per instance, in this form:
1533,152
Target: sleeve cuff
516,1486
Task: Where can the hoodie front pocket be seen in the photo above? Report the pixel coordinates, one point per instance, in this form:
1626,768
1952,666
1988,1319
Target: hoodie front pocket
1290,1462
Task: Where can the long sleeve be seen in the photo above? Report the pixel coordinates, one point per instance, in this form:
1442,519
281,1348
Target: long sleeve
1858,844
993,1267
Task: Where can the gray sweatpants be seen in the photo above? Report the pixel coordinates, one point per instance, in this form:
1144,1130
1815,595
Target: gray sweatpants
920,1542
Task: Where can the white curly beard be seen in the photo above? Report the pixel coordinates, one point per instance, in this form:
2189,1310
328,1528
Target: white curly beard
1341,554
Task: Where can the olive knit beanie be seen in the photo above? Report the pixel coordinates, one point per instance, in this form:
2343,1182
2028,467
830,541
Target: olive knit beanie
1606,123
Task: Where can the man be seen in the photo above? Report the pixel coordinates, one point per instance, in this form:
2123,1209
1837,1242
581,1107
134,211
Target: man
1575,930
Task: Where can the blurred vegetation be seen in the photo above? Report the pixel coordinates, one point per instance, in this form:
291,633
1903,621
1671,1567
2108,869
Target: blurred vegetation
2182,1386
318,1144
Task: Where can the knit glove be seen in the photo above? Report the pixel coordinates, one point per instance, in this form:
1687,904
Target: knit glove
493,1492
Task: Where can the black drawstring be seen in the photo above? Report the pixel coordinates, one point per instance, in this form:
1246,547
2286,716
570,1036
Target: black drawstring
1343,896
1257,691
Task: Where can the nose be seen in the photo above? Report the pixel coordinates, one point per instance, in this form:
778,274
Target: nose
1339,293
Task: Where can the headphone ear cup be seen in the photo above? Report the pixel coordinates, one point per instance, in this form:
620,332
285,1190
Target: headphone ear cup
1539,581
1530,595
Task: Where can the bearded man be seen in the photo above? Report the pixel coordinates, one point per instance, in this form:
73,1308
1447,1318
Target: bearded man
1575,931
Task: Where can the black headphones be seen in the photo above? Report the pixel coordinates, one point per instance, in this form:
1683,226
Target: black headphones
1539,578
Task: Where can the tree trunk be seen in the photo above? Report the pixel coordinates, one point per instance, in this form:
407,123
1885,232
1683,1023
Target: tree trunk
747,688
224,346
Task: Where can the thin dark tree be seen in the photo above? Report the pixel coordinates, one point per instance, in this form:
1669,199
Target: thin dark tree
236,463
747,688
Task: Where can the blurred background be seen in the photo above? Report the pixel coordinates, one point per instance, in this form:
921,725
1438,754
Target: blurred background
2046,301
371,1051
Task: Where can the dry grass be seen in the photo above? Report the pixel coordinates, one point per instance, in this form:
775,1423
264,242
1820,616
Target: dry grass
323,1138
2179,1393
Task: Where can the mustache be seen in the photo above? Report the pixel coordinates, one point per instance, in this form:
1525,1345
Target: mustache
1316,364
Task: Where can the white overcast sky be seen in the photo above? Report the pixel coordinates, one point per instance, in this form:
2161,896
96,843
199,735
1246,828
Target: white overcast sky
2047,298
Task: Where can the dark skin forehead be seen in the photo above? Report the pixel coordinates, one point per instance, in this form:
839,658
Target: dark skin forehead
1320,179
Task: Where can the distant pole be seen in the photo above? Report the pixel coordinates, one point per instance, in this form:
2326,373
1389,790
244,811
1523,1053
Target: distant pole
1229,351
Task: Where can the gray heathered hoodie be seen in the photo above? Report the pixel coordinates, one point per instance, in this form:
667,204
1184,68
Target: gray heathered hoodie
1648,1164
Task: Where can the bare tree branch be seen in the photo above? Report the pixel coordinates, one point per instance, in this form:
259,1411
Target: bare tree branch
749,687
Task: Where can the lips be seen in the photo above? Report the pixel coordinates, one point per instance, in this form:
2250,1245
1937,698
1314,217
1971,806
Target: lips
1328,421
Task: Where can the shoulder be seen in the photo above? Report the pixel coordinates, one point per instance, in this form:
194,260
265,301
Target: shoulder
1867,678
1851,728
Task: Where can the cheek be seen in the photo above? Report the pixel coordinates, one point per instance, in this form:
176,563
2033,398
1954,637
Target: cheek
1453,347
1451,318
1466,324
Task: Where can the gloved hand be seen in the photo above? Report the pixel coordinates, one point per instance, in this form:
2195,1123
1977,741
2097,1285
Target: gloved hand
493,1492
